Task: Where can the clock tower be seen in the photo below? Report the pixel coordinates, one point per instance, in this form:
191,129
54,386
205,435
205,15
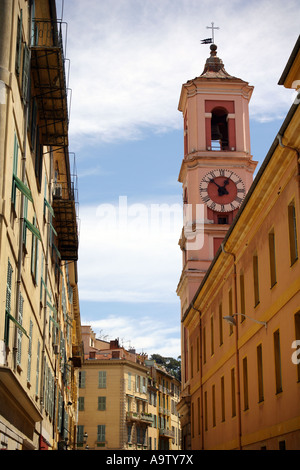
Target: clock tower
217,167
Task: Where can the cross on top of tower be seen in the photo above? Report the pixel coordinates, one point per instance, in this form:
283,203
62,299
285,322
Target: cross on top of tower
212,27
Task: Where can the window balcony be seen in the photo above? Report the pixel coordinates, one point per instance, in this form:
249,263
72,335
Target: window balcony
146,418
163,432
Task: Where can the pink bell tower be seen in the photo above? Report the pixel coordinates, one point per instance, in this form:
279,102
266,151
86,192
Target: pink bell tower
217,167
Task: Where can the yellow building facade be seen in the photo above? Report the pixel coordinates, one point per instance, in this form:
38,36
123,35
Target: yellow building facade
40,335
163,390
125,401
241,389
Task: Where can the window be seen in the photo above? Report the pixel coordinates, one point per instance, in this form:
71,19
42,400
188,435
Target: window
212,345
129,430
34,253
221,323
199,414
15,169
82,379
242,296
8,302
219,129
205,411
222,220
38,158
230,310
277,360
101,403
80,403
101,433
260,373
245,383
129,381
293,232
80,434
213,397
233,401
137,383
192,361
102,379
192,420
255,280
29,352
19,44
37,372
198,355
223,398
20,332
282,445
272,258
26,71
25,218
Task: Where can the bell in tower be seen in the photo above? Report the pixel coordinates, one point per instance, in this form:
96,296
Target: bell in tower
215,132
219,128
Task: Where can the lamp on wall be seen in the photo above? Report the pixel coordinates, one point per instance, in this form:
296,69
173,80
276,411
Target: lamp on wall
230,319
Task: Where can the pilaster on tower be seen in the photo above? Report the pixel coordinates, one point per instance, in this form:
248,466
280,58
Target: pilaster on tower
217,167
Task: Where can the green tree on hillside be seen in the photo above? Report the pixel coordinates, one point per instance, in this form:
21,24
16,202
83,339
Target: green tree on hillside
173,366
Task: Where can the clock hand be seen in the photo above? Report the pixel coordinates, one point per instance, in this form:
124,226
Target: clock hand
221,189
213,181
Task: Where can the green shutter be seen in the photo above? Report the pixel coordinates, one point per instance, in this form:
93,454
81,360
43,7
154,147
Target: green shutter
101,403
33,229
22,187
82,379
37,374
80,433
102,379
26,71
16,154
101,433
49,207
29,352
80,403
8,302
20,321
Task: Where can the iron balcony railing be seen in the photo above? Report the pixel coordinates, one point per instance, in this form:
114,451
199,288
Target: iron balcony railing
166,432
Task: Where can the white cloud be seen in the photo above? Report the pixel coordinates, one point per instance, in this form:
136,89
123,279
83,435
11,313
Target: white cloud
129,59
156,338
129,252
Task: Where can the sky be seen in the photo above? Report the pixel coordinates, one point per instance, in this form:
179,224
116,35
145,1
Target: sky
126,63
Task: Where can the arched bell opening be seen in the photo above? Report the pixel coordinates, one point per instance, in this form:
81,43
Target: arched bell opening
219,129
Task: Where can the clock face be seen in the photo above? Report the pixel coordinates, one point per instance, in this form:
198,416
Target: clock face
222,190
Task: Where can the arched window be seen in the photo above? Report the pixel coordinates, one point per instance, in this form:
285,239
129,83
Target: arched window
219,129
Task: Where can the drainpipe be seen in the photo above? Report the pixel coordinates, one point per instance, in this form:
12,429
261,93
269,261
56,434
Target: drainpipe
279,137
21,227
201,384
237,351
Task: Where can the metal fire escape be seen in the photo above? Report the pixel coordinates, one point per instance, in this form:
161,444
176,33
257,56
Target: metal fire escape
49,82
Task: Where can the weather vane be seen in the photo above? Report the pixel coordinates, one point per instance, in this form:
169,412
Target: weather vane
212,39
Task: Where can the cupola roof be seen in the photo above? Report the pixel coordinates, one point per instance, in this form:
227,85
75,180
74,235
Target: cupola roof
214,67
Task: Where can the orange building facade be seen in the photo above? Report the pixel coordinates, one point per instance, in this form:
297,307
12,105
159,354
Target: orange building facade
241,373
